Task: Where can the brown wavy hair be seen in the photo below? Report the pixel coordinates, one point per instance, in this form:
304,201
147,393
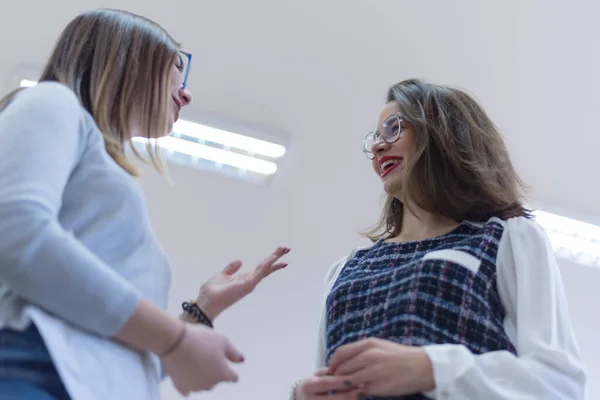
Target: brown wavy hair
461,168
117,64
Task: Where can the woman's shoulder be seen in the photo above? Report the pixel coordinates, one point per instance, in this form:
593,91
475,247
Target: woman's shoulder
51,96
335,269
49,107
518,235
47,103
504,237
517,225
54,103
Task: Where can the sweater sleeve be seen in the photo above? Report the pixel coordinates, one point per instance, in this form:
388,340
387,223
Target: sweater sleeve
44,135
547,364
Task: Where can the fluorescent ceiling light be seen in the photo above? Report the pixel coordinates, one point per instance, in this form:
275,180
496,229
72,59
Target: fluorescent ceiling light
27,83
572,239
220,156
229,139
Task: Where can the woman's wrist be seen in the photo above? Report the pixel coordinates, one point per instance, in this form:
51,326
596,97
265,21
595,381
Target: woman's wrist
205,306
150,329
175,344
426,372
186,317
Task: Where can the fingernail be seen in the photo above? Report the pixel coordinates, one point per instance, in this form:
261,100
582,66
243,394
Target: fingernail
284,265
242,359
347,383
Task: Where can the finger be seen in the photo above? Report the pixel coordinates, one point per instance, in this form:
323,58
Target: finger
348,351
263,271
268,266
276,255
348,395
322,372
326,384
273,268
352,365
232,267
181,391
366,376
231,376
280,252
233,354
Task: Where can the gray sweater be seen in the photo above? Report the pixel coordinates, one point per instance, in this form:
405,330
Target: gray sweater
77,251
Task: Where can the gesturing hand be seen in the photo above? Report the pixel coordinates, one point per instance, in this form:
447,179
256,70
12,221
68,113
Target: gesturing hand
226,288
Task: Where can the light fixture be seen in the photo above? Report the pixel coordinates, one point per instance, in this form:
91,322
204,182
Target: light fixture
219,156
206,147
217,150
27,83
206,133
572,239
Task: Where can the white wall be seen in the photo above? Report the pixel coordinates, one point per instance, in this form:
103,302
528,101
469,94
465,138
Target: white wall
276,326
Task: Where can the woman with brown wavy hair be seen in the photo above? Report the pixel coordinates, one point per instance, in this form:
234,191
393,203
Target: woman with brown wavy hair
460,296
83,280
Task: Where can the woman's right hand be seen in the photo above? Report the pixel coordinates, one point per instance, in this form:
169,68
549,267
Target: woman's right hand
201,360
321,384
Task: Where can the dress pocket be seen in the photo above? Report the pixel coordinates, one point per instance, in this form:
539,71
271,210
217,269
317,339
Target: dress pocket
461,258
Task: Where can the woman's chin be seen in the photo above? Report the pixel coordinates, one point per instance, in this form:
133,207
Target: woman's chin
392,186
169,132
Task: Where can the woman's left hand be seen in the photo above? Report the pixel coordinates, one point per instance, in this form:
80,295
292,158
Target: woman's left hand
226,288
384,368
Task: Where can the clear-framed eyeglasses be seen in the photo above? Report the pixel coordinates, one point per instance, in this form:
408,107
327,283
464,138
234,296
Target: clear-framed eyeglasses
390,132
184,61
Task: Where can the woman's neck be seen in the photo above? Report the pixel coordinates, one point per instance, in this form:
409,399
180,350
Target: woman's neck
419,225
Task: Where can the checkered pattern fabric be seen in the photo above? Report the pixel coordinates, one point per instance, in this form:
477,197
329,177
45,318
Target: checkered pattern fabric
395,291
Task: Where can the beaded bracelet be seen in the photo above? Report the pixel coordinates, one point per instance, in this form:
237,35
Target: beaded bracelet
192,308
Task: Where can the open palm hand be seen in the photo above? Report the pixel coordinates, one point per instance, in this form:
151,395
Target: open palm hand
227,287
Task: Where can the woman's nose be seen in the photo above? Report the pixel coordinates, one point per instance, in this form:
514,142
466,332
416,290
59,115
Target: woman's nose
185,96
379,145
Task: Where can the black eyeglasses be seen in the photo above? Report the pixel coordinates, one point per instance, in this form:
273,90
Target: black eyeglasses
390,132
183,64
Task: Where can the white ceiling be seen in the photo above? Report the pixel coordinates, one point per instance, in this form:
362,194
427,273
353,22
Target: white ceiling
318,72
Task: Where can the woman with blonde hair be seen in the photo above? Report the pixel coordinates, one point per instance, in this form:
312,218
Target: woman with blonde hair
460,295
83,280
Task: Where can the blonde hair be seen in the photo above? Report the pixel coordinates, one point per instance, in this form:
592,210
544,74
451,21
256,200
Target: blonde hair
118,64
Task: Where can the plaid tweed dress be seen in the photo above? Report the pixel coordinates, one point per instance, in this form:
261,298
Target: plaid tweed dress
435,291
